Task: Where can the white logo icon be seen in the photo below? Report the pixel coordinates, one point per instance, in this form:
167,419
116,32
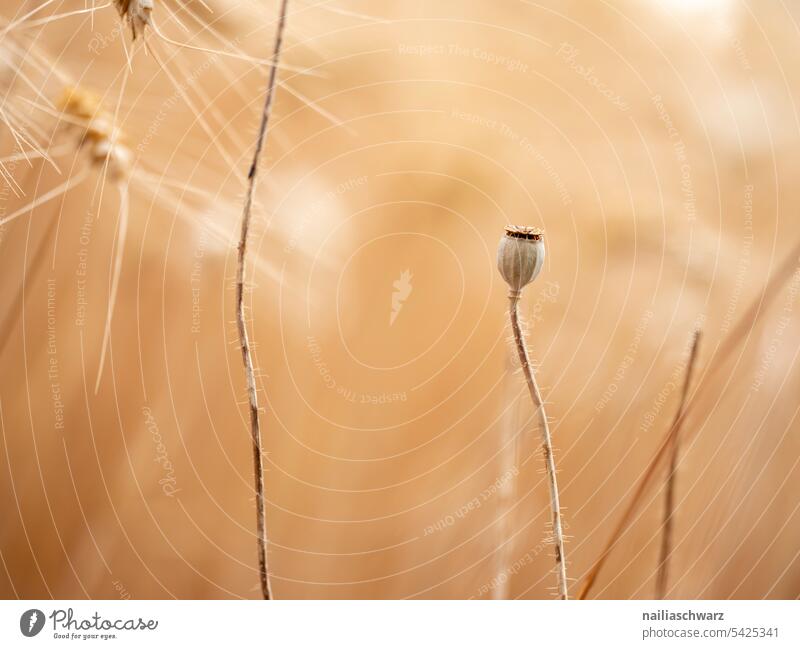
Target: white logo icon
402,289
31,622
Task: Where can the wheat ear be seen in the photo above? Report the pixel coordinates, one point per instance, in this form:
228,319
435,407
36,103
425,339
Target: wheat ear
247,357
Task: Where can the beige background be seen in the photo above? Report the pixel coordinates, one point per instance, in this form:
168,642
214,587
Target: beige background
655,142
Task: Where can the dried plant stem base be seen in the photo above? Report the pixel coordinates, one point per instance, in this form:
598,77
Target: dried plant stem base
547,444
662,578
247,357
255,427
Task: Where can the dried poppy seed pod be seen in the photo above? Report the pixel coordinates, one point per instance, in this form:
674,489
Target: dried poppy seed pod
520,256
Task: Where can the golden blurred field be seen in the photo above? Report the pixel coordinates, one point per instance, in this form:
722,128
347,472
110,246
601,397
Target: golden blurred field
657,143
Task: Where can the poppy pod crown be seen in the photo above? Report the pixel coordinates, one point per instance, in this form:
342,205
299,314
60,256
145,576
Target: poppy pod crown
520,256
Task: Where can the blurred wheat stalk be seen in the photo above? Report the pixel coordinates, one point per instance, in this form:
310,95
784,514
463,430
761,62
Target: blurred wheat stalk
662,578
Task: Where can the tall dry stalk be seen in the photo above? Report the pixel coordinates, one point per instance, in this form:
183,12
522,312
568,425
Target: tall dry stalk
669,490
547,447
519,259
743,325
247,357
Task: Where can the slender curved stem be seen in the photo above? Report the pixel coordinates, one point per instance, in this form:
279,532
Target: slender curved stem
247,357
741,331
662,578
547,445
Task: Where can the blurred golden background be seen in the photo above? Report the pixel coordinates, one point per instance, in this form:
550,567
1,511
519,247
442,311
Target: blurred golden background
656,142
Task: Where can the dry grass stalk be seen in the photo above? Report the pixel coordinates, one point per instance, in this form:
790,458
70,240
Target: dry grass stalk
669,491
247,356
139,15
98,133
82,110
519,259
737,334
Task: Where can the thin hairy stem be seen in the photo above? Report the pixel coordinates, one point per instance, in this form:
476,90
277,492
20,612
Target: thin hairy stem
547,445
247,357
740,330
662,578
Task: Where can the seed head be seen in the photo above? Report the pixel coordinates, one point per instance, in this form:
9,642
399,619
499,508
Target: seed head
520,256
97,132
137,12
117,158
